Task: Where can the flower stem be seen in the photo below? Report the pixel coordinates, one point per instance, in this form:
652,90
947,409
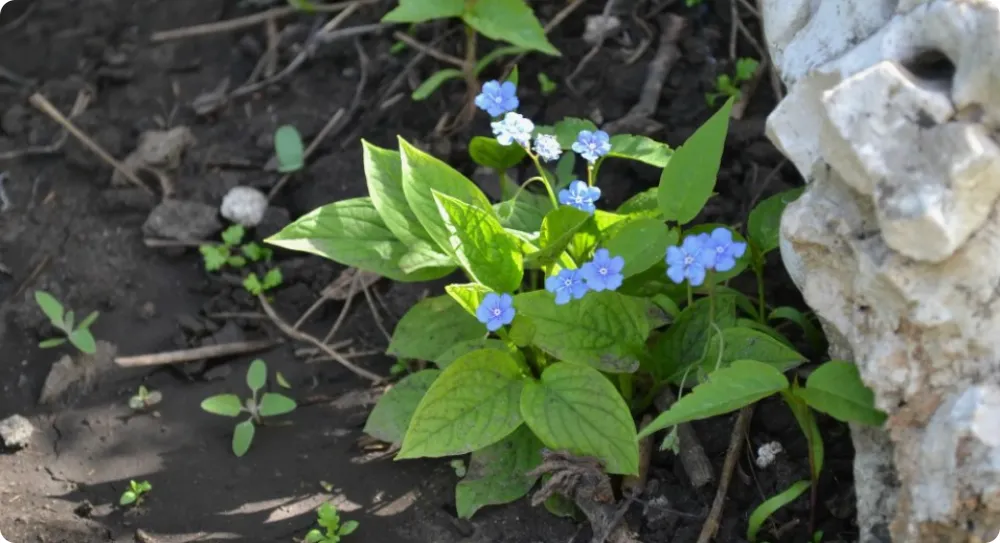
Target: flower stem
590,174
711,297
758,268
690,295
543,177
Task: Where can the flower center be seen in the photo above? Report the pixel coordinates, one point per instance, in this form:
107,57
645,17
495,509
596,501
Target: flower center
497,311
602,271
498,100
568,282
720,249
579,199
688,260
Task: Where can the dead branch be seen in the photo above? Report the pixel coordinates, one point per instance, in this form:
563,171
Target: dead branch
711,526
79,106
198,353
692,455
428,50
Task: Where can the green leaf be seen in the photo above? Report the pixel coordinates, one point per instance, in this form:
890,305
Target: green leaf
750,323
640,148
560,506
349,527
391,417
422,176
685,343
227,405
745,68
748,344
233,235
419,11
575,408
50,306
430,327
257,375
289,149
807,423
464,347
83,340
645,201
421,255
812,332
51,343
236,261
605,330
282,382
688,180
471,405
498,474
728,389
558,228
215,257
352,233
525,213
836,388
384,175
488,152
771,505
514,76
252,284
128,498
434,82
69,319
468,295
764,222
511,21
315,536
272,278
642,243
484,249
243,437
273,404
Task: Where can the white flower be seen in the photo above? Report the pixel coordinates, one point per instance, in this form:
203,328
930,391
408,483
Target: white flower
767,453
547,147
513,128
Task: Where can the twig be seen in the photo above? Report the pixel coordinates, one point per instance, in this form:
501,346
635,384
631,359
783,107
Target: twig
79,106
46,107
343,310
634,485
248,21
734,24
428,50
229,315
271,55
302,336
692,455
199,353
378,318
747,90
711,526
14,78
31,276
155,243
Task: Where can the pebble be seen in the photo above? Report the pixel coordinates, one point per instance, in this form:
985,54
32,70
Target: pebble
16,431
182,220
244,205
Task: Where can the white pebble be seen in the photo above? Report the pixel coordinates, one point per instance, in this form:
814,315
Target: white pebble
244,205
767,453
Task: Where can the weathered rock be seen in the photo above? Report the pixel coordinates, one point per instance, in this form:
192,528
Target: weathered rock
16,432
160,149
890,116
182,220
244,205
75,376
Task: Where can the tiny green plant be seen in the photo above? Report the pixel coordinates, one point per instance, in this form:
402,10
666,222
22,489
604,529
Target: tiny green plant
571,315
257,406
331,530
135,493
144,399
289,149
546,85
730,86
232,252
79,335
257,286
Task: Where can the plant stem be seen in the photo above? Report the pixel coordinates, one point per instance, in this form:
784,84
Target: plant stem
690,295
590,174
711,297
503,185
626,386
758,268
543,177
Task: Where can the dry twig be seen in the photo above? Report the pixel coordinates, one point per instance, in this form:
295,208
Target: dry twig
198,353
428,50
692,455
711,526
79,106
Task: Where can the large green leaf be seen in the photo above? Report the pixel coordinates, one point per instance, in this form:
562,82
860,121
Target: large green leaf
384,175
764,222
557,230
498,474
462,348
422,255
645,201
488,152
642,243
640,148
511,21
738,343
573,407
484,249
391,416
741,384
352,232
468,295
418,11
431,327
836,388
471,405
685,343
525,213
422,176
687,182
606,330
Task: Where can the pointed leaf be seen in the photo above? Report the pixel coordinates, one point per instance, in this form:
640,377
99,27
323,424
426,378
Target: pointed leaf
771,505
642,243
764,222
434,82
488,152
807,423
384,175
88,320
471,405
422,255
573,407
82,339
418,11
728,389
243,437
273,404
128,498
468,295
498,474
511,21
640,148
645,201
748,344
257,375
227,405
51,343
289,149
558,228
392,414
50,306
836,389
524,214
431,326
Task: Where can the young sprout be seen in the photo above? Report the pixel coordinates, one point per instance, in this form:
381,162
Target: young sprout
332,530
268,404
80,336
135,493
257,286
144,399
289,150
216,256
547,85
726,86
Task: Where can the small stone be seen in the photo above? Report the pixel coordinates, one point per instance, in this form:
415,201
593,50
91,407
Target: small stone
599,27
182,220
244,205
16,431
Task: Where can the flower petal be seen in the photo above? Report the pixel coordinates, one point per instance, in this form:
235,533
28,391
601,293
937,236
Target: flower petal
508,315
675,257
506,300
676,273
696,275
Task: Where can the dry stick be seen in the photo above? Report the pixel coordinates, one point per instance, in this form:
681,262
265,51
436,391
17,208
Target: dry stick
378,318
271,55
155,243
302,336
199,353
343,310
46,107
714,519
248,21
634,485
428,50
79,106
693,458
734,14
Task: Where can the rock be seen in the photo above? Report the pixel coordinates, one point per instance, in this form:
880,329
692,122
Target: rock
16,432
182,220
275,219
161,149
891,117
72,377
244,205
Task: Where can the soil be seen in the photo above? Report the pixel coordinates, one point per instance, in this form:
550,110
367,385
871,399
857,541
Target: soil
66,229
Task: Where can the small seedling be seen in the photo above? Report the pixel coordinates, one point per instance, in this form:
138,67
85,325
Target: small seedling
269,404
80,336
332,530
289,150
144,399
257,286
399,367
231,253
726,86
547,85
135,493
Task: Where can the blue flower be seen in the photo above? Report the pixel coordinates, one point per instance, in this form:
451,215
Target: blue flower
580,196
592,145
567,284
497,98
496,311
723,249
689,261
547,147
513,127
604,272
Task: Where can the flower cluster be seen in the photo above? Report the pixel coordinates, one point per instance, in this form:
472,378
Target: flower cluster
603,272
496,311
700,253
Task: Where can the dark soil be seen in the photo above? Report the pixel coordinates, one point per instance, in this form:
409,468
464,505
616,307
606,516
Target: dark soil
67,230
